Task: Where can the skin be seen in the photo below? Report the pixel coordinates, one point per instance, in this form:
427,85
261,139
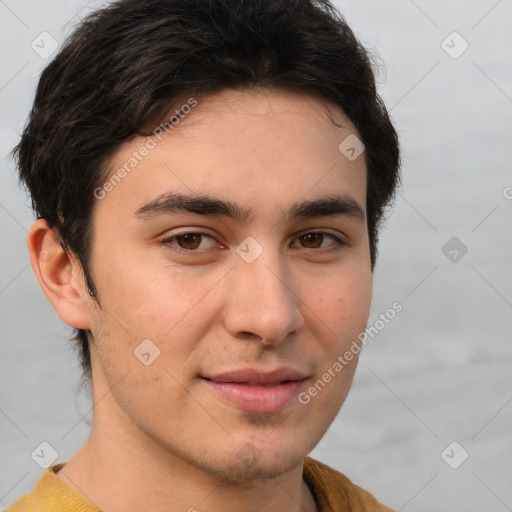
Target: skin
161,439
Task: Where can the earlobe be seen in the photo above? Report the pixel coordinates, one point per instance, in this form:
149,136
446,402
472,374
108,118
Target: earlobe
59,274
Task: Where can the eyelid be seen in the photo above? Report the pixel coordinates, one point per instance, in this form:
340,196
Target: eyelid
339,241
334,234
166,241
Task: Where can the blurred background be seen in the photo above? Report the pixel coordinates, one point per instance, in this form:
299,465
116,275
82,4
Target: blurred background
427,425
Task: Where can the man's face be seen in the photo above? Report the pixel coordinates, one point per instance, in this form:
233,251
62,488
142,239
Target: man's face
247,311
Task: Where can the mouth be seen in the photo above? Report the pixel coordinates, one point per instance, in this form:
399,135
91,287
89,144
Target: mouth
257,391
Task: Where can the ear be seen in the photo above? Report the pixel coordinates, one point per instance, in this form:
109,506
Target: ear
60,276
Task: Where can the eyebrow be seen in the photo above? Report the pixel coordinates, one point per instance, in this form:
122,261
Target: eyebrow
172,203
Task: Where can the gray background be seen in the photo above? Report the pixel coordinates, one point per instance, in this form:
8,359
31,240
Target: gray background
441,370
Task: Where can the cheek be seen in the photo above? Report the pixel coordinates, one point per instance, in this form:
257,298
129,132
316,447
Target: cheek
158,300
340,304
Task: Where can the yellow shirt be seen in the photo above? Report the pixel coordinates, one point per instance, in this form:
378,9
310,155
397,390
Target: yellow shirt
333,492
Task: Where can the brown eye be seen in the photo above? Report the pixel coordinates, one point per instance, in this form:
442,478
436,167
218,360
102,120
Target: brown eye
320,242
194,243
189,241
312,240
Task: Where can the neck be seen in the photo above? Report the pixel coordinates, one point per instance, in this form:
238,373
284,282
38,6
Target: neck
121,468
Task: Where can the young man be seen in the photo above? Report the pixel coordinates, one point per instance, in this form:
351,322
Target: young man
208,179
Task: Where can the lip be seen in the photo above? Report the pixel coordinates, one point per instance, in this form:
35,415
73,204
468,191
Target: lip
255,390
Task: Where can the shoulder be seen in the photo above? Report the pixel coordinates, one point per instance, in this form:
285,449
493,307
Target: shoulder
23,504
50,494
334,492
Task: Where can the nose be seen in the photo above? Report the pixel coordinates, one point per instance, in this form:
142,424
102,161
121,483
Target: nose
262,301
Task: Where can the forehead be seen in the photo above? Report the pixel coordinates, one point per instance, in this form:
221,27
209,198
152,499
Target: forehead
260,147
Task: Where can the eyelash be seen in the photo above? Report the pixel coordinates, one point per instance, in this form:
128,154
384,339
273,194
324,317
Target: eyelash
338,245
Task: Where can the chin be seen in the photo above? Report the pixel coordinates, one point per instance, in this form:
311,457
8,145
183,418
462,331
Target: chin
243,460
265,468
